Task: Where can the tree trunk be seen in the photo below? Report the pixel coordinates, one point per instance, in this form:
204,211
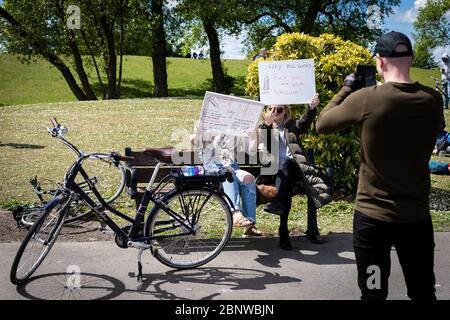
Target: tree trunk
94,61
311,15
111,59
79,68
40,46
68,76
214,52
159,50
81,72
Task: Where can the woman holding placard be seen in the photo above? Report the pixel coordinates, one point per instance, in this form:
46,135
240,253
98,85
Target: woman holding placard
292,164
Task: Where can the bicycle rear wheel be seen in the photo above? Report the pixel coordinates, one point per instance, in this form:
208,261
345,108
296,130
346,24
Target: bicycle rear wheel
176,246
39,240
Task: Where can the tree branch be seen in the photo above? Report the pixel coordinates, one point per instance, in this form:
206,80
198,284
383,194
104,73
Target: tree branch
40,45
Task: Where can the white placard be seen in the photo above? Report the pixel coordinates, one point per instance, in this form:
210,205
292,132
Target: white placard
286,82
229,114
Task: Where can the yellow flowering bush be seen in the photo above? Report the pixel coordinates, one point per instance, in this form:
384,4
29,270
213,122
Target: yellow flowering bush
334,58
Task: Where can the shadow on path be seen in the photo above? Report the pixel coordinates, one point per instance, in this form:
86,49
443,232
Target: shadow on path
337,250
64,286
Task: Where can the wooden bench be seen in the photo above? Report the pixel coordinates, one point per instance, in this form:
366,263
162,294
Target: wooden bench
140,170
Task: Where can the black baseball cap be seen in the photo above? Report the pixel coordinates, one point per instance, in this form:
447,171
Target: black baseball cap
387,43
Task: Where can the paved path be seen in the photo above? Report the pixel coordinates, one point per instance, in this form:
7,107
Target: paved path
247,269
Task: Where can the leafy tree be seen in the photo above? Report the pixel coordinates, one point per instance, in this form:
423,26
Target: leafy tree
432,25
216,17
40,29
345,18
423,58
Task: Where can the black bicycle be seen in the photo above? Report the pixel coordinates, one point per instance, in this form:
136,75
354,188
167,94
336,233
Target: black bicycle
437,82
185,228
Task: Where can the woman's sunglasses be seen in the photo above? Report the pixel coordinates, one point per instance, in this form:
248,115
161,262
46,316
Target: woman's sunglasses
277,110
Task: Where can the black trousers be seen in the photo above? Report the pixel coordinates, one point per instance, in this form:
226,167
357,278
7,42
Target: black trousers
414,244
288,174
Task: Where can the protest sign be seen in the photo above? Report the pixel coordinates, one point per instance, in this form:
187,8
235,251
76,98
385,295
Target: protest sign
229,114
286,82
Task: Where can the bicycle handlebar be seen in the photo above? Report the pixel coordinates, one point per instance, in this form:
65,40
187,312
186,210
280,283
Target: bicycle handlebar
436,79
54,122
58,132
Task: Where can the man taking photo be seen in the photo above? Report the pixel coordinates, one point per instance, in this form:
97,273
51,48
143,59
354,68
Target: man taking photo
398,122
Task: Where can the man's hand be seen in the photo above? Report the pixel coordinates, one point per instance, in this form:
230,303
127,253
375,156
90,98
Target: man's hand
354,81
314,102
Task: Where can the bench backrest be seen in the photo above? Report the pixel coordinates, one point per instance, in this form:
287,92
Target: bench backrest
143,165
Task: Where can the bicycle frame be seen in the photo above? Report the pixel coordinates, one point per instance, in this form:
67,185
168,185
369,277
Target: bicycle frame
137,221
436,87
191,193
133,236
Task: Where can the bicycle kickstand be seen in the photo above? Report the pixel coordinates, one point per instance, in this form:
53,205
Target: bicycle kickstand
140,278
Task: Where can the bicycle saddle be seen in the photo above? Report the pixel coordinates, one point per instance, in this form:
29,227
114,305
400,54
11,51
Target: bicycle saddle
162,154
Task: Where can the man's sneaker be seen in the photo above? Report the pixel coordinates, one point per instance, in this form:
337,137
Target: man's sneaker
274,208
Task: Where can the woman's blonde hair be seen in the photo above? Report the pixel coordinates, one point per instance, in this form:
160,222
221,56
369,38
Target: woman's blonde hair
287,111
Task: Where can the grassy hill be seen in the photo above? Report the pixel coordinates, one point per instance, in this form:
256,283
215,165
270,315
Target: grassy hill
40,82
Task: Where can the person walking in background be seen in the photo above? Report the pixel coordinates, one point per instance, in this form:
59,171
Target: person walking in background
445,77
392,201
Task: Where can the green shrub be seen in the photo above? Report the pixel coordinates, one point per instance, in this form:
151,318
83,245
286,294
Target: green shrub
334,59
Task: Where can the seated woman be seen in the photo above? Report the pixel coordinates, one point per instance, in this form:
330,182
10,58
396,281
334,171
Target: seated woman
293,165
217,151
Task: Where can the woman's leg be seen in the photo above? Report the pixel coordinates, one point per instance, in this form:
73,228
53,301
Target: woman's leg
287,174
248,193
232,190
283,231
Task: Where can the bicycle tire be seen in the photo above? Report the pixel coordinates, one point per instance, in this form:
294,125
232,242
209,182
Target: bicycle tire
80,210
213,228
48,230
31,215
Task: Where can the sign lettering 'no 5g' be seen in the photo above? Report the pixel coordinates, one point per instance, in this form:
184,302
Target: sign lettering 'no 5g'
286,82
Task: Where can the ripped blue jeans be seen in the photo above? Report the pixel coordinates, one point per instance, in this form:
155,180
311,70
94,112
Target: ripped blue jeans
242,194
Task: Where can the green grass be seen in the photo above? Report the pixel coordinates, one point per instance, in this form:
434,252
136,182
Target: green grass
40,82
27,150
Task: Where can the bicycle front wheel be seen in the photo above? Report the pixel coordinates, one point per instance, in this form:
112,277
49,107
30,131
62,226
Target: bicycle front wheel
209,218
38,241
